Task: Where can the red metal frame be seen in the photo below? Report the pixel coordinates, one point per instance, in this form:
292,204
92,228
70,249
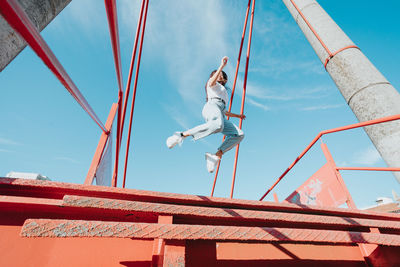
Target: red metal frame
20,22
339,129
234,85
134,92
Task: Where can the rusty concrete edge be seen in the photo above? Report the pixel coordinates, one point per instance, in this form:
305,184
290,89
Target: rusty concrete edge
44,228
223,213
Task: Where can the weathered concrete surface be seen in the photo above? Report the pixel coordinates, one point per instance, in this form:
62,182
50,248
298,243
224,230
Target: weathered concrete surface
41,13
364,88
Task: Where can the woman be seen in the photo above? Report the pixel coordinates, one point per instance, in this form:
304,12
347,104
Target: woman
214,114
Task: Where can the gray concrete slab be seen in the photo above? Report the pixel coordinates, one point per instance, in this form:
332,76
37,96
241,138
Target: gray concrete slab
40,12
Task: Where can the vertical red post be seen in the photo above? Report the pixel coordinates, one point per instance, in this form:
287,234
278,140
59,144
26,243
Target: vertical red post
365,249
134,93
234,85
243,94
159,243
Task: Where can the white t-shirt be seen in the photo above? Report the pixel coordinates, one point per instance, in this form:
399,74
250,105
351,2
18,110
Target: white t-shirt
218,90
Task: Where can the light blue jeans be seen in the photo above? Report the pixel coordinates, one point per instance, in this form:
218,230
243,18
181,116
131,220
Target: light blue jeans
216,122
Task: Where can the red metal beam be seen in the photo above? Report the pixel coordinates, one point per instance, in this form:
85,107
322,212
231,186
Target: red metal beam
70,228
48,189
17,18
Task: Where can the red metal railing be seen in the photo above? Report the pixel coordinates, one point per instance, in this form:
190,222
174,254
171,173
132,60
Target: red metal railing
339,129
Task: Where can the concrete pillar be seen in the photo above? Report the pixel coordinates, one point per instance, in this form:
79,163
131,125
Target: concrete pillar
364,88
41,13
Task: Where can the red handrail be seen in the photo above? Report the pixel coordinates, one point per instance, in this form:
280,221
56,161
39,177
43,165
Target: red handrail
339,129
17,18
368,169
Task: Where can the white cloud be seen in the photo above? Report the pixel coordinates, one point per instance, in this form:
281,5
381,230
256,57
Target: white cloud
189,37
5,150
178,116
369,156
70,160
6,141
321,107
286,94
257,104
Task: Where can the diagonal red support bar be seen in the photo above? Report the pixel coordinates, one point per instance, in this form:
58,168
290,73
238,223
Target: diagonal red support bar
234,85
134,93
17,18
79,228
243,94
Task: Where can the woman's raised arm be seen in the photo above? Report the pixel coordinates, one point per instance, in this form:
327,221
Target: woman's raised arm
214,78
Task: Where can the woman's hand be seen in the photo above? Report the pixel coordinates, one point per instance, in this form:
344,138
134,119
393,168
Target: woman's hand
224,60
230,114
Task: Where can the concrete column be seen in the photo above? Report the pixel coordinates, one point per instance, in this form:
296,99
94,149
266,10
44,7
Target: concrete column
364,88
41,13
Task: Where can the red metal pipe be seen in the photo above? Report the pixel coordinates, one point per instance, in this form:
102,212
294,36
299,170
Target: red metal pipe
362,124
243,93
17,18
128,84
344,128
234,84
368,169
111,11
134,92
292,165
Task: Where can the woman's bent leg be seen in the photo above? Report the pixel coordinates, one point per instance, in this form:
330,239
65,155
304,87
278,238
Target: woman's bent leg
233,136
214,123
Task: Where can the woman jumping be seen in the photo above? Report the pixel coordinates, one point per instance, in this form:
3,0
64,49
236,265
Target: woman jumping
214,114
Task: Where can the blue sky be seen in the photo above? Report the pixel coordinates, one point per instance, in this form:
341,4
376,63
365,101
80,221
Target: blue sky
290,97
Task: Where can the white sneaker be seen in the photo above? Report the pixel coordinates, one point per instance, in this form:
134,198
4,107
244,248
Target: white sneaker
212,161
174,140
